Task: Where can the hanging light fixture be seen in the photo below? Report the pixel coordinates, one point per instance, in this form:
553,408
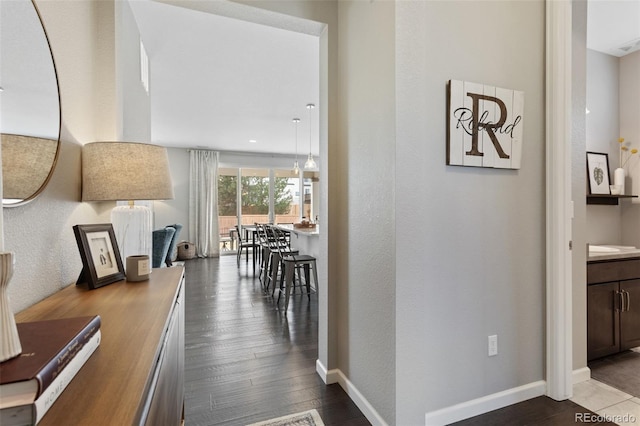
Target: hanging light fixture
310,164
296,167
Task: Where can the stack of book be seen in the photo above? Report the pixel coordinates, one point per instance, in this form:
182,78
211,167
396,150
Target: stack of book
52,354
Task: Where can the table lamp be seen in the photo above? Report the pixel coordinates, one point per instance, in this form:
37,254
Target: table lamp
127,171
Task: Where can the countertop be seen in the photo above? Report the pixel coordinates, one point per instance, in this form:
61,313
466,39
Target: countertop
609,253
301,231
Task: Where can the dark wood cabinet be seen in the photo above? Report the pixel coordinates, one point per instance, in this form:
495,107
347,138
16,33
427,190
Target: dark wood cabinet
613,307
630,317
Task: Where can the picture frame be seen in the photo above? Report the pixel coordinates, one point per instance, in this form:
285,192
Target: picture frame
598,173
102,264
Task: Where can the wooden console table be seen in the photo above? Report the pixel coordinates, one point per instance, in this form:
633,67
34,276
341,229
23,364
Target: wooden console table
136,376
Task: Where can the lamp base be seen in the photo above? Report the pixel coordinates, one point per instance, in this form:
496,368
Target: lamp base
132,228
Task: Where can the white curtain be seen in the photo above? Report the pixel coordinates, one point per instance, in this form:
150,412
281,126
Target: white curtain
203,203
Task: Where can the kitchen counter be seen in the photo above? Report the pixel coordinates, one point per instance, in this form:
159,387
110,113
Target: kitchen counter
306,240
611,252
301,231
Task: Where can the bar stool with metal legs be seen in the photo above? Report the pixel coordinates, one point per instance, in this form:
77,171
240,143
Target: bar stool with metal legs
278,249
292,262
266,253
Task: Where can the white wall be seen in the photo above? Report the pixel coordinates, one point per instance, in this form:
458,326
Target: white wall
133,101
470,247
40,233
177,210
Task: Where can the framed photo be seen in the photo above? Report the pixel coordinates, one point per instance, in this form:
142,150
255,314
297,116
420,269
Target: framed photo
598,172
100,255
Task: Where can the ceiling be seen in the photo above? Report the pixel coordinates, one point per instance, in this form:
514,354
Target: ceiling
613,26
218,82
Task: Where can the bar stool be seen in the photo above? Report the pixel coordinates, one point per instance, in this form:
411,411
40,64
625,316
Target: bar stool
292,264
266,252
277,249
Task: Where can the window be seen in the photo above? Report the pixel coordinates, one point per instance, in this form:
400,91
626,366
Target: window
251,195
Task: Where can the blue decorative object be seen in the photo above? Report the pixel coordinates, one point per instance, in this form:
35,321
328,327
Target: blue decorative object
161,242
172,245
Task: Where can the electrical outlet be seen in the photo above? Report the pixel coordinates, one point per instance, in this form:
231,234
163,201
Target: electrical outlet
493,345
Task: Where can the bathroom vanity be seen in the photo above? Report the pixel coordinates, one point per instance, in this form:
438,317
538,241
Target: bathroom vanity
613,300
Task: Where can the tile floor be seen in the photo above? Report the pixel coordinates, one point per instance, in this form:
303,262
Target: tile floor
612,404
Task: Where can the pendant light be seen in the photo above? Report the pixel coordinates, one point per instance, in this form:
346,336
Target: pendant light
310,164
296,167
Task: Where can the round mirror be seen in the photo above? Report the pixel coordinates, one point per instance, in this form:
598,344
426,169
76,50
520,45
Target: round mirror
29,103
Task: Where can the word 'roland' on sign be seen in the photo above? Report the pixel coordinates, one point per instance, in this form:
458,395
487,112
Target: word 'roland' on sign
484,125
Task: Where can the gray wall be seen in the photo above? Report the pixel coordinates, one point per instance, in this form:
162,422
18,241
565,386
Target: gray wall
602,135
470,246
613,93
366,293
630,129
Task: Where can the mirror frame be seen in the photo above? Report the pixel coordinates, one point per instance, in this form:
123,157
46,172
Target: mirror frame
57,154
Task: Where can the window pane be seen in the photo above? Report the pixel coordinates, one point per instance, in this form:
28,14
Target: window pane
255,196
227,207
309,209
286,196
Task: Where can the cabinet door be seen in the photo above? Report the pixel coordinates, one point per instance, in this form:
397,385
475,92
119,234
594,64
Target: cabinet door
603,320
168,396
630,317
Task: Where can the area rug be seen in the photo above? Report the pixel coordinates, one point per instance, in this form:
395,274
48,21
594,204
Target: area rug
306,418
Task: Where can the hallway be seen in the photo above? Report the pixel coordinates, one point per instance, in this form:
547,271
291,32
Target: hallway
244,361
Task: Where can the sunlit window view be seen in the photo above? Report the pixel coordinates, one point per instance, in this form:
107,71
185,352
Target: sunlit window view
247,196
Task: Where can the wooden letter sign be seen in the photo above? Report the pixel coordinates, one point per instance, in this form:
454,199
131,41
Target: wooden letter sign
484,126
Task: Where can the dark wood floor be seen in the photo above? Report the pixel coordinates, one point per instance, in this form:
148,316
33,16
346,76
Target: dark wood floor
622,371
244,361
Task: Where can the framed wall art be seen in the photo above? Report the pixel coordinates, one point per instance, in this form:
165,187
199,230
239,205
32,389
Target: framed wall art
100,255
598,173
485,126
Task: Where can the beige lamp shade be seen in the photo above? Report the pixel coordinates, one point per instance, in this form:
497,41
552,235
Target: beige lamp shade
26,165
122,171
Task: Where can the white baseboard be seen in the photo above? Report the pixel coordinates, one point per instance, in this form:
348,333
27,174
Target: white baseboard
328,377
485,404
336,376
581,375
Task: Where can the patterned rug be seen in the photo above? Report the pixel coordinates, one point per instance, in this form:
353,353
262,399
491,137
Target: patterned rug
306,418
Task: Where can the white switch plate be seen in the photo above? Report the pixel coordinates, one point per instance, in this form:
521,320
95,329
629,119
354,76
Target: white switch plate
493,345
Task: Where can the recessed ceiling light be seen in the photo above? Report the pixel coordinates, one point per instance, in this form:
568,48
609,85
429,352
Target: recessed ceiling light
252,141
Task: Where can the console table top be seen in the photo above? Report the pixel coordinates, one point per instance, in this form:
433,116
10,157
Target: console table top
112,385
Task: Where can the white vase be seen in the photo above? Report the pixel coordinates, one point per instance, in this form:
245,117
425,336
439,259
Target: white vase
618,178
9,340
